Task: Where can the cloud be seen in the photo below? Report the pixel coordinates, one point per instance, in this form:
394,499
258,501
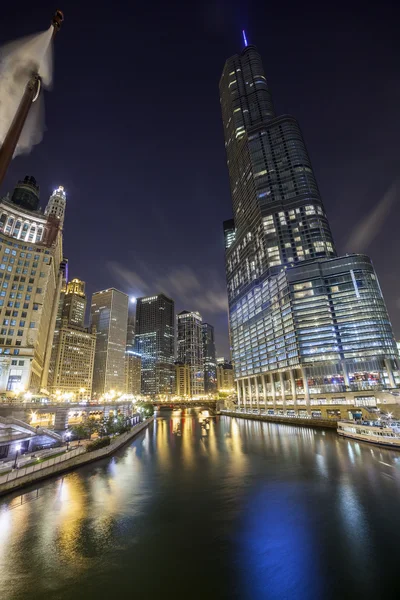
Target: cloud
370,226
192,290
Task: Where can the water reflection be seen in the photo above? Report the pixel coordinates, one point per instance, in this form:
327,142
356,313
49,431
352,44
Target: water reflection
267,511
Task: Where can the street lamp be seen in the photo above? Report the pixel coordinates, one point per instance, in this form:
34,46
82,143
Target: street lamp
17,449
67,436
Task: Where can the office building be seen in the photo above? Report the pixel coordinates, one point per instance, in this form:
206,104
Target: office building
133,373
225,378
72,373
154,341
30,284
190,348
130,333
74,305
306,325
109,315
182,379
209,360
56,205
72,358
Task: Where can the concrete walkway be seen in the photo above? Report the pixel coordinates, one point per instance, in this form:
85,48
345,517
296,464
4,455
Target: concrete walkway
72,459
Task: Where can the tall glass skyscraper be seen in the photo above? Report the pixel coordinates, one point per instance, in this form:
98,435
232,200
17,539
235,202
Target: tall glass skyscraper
155,342
190,348
209,359
305,324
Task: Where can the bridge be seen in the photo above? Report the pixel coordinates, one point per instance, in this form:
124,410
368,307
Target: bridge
206,404
63,415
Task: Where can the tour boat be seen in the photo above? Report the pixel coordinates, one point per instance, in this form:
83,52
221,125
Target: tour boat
380,432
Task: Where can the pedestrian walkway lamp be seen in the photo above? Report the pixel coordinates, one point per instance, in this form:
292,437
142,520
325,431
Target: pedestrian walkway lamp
17,449
67,436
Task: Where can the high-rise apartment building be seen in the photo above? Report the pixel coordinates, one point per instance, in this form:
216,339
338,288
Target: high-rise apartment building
225,379
72,357
30,283
133,373
182,380
109,315
154,341
209,360
190,348
306,325
74,305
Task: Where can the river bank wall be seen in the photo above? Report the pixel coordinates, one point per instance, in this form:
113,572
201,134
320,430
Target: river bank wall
331,424
73,459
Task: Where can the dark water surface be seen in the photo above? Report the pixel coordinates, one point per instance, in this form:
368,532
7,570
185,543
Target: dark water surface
240,510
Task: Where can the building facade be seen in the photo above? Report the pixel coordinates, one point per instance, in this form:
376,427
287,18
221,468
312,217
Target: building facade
225,378
182,379
190,348
74,303
56,205
305,324
72,356
133,373
209,359
130,333
72,373
30,284
109,316
155,342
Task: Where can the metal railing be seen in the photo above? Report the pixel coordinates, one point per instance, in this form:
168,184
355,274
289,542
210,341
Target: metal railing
21,472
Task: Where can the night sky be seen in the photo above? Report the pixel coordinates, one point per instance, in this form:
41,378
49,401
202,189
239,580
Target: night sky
134,134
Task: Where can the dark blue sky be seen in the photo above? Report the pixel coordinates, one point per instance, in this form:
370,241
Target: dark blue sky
134,133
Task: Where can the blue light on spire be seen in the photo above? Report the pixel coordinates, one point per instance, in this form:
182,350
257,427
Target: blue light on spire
244,38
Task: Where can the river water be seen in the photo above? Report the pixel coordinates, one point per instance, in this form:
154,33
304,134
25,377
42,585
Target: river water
232,509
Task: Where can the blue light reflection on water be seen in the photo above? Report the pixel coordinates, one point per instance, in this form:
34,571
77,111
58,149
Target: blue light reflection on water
280,555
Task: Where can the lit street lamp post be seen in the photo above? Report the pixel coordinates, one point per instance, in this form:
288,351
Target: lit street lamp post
17,448
67,436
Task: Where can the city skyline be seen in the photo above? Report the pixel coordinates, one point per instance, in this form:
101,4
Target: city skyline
218,161
352,176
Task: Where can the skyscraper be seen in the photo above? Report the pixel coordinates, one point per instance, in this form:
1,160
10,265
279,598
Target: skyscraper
56,205
303,321
130,334
74,304
154,341
133,373
109,315
209,360
30,283
182,380
72,357
190,348
71,369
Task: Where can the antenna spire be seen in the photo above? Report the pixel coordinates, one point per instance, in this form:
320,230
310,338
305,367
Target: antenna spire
244,38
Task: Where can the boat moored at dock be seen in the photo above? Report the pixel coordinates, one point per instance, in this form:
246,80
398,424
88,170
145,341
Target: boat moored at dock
379,432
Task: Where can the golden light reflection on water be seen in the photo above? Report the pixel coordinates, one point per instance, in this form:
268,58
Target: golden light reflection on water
162,428
63,530
237,458
188,456
13,525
